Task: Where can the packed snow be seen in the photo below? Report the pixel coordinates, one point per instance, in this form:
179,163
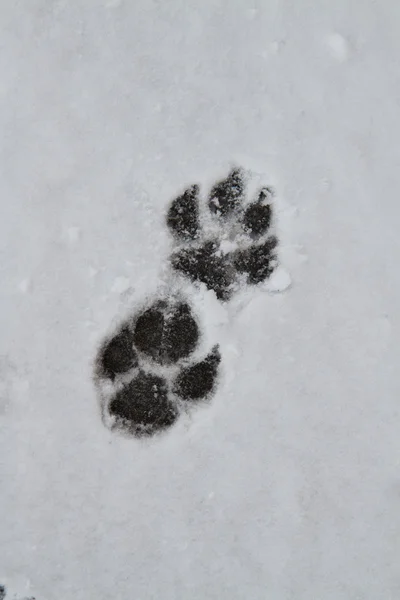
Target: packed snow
285,485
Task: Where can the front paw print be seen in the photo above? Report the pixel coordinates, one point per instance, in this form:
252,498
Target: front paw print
146,373
237,247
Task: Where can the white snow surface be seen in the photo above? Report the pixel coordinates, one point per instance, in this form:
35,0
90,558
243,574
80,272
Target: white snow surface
287,485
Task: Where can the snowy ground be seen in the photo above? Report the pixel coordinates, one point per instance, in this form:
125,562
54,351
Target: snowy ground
287,486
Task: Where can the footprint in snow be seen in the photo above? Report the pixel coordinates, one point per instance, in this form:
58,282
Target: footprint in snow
152,369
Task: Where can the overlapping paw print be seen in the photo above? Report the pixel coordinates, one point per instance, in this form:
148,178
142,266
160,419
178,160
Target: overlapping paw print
225,239
151,369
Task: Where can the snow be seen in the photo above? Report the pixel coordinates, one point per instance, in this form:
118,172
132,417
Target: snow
279,281
286,485
338,47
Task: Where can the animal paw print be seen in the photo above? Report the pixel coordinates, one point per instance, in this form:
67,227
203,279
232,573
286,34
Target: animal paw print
146,372
152,369
227,242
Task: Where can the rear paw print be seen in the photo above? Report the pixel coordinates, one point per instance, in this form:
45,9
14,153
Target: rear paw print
151,370
226,241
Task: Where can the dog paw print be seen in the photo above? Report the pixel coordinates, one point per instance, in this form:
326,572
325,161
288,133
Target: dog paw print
224,240
155,367
152,369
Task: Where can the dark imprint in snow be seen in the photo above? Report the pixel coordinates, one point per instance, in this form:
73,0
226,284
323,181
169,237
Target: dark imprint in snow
143,406
245,225
166,333
147,366
147,398
197,381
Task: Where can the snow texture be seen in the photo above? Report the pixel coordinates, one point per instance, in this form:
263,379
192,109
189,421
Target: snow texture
147,371
285,486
